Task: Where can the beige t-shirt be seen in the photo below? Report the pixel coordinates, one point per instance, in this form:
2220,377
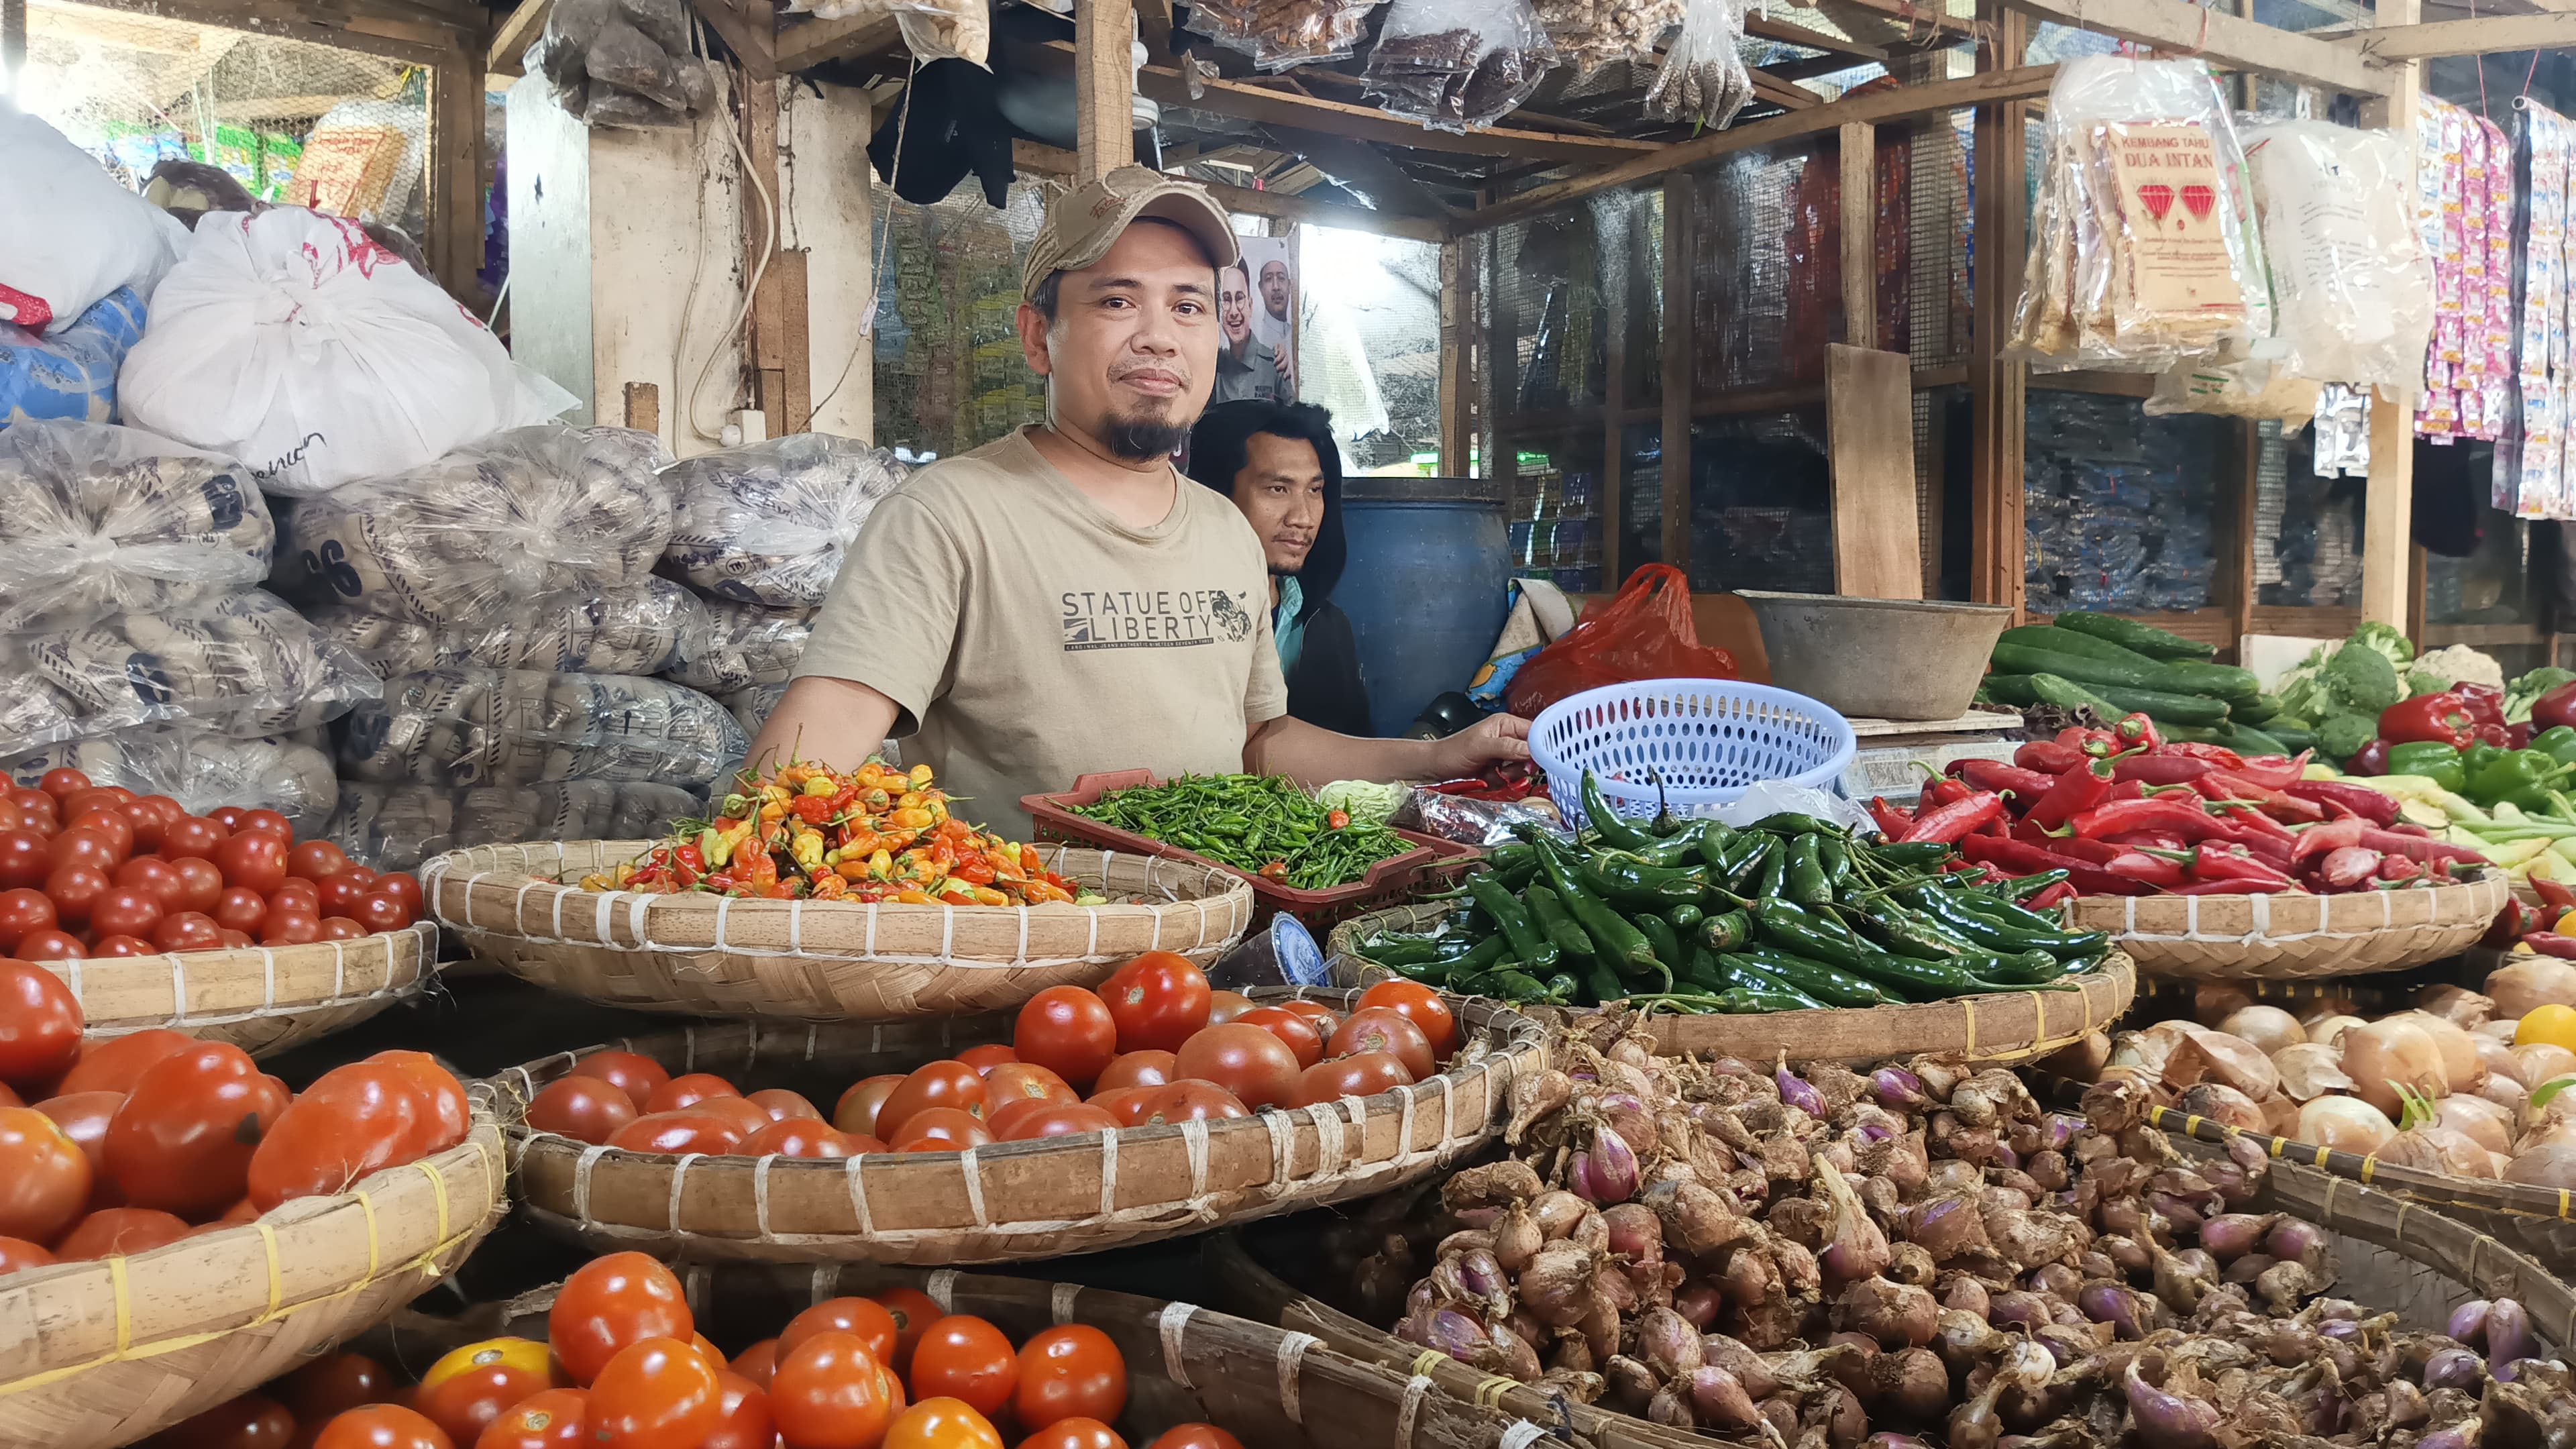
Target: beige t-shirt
1031,637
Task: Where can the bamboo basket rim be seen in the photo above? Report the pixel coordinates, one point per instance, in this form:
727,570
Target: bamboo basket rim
172,972
1338,1133
2165,933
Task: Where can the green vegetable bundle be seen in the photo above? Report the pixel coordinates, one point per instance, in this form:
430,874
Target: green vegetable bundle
1261,824
1791,913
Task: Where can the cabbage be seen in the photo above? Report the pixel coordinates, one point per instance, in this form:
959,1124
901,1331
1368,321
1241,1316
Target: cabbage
1366,801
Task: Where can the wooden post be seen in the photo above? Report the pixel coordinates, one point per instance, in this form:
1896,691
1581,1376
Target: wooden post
454,203
1456,319
1858,154
1104,86
761,227
2236,540
13,45
1869,446
644,407
2388,507
1681,239
1995,383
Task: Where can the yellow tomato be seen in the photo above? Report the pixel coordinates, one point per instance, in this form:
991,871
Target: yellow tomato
2553,1025
524,1354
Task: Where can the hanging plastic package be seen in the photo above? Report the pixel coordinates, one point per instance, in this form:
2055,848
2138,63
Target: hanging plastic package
767,523
2353,289
1452,64
2143,249
71,372
74,234
742,645
631,631
293,341
470,726
530,517
1278,34
199,770
1703,79
98,520
396,827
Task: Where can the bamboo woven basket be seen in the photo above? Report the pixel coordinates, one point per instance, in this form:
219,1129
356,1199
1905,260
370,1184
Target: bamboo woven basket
2290,937
1185,1364
707,955
1006,1201
2004,1027
2393,1255
263,999
94,1354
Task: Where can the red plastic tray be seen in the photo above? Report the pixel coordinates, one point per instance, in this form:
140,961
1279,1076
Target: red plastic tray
1388,882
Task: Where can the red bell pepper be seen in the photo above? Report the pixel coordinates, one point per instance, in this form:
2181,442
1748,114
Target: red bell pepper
2174,817
2557,707
1997,777
1893,821
2077,790
2433,718
2550,943
2213,861
2482,703
2048,757
1952,822
2161,769
2274,772
2022,858
2361,800
2373,760
2232,888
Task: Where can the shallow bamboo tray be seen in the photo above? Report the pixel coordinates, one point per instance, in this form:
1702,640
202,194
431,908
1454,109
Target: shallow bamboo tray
1271,1389
1003,1202
2291,937
707,955
2002,1027
94,1354
263,999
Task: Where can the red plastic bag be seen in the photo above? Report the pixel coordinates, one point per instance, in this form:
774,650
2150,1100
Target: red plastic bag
1644,633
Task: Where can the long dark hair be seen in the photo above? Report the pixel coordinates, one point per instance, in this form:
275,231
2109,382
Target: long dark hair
1220,448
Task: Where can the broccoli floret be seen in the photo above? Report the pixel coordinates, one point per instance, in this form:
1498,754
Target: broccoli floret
2421,682
2302,689
2363,679
2386,641
2343,735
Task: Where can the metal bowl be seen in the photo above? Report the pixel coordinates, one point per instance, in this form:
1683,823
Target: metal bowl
1878,658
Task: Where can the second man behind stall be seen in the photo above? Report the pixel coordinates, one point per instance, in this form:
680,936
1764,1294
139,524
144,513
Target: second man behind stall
1280,465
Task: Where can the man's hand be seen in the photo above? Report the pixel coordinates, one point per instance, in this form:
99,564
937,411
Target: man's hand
1287,374
1491,740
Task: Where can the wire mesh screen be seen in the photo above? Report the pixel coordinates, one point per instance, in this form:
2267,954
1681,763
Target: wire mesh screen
2119,506
950,375
293,122
1761,503
2307,529
1766,280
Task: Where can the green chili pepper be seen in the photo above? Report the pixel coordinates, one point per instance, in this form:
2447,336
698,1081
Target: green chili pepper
1547,913
1743,1002
1614,828
1617,877
1685,916
1727,932
1791,822
1534,950
1613,939
2022,888
1807,882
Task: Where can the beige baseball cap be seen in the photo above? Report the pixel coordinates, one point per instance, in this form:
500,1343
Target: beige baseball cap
1084,223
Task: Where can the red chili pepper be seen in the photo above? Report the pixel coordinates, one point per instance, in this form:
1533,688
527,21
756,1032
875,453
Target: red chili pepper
2213,861
2433,718
2161,769
2001,778
2136,730
2550,943
1336,819
1953,822
2361,800
2077,790
2273,772
2249,822
2053,897
2091,852
1893,820
2048,757
2219,755
1940,792
2219,785
2397,869
2512,922
2146,869
2187,821
2021,858
2232,888
2419,847
2144,840
2334,835
2553,895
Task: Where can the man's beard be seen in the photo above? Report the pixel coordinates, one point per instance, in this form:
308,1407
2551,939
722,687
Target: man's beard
1143,439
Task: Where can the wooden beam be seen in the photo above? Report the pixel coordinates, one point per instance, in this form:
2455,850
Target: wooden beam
518,30
1781,93
2388,497
426,42
1868,108
1780,30
1039,159
1457,320
765,344
1995,381
454,200
749,29
1104,88
1857,153
1926,25
1869,447
2221,38
1357,163
1154,27
813,42
1681,240
2482,36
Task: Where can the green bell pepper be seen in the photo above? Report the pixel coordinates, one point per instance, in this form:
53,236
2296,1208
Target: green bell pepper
2558,743
2433,760
2522,778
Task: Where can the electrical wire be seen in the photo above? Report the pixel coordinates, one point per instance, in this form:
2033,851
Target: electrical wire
751,289
876,268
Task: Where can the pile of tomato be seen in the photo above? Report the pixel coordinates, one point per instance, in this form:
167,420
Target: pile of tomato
97,870
625,1367
143,1139
1155,1044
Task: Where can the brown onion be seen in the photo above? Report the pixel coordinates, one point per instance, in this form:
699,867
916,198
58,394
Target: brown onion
2346,1124
2388,1055
2311,1069
2215,1056
2214,1001
2456,1004
2486,1123
1719,1399
2531,982
2221,1104
2265,1028
2538,1062
2329,1030
2459,1050
2551,1164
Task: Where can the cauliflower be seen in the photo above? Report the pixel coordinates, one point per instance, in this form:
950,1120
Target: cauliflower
2460,664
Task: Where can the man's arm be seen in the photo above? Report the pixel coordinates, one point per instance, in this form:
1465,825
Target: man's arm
839,722
1313,756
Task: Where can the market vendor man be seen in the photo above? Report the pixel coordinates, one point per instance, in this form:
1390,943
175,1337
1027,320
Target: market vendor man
1062,601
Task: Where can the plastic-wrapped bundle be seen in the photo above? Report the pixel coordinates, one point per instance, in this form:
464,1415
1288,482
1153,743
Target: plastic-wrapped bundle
1278,34
631,631
1453,64
98,520
623,62
2354,288
767,523
396,827
742,645
750,707
525,517
245,665
470,726
199,770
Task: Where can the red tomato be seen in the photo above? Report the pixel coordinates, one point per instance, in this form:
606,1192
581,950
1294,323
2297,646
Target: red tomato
353,1121
201,884
1225,1006
315,859
1136,1069
17,1253
758,1362
551,1419
737,1112
82,846
865,1319
44,1176
187,931
635,1075
1127,1105
226,938
1384,1029
126,911
451,1114
687,1091
610,1303
999,1121
382,1426
255,859
1186,1101
53,945
677,1132
1315,1011
33,801
24,912
1297,1031
941,1424
74,889
1364,1075
192,835
379,912
26,858
116,1064
240,909
1157,1000
742,1416
1195,1436
914,1311
338,894
403,887
1067,1030
655,1394
1420,1005
290,925
1024,1082
229,816
988,1056
118,831
104,947
184,1139
295,892
830,1392
584,1108
782,1104
950,1083
152,873
941,1129
463,1404
61,780
332,1384
40,1025
145,820
341,928
1070,1371
1257,1067
11,817
96,797
801,1137
1056,1119
965,1357
1075,1433
268,822
245,1421
84,1116
863,1103
127,1230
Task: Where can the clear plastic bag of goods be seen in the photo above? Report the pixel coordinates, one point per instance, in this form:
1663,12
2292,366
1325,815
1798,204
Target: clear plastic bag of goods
1452,64
742,645
2351,282
98,520
200,770
295,342
535,516
468,726
397,827
767,523
243,665
623,62
2233,385
750,707
74,233
631,631
1590,34
71,372
1278,34
2144,249
1702,79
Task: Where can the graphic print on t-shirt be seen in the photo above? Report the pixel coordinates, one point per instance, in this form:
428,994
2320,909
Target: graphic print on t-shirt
1155,619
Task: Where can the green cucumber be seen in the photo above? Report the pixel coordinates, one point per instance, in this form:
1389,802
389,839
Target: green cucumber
2064,641
2190,709
2244,739
2172,677
2067,694
2264,709
2129,634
